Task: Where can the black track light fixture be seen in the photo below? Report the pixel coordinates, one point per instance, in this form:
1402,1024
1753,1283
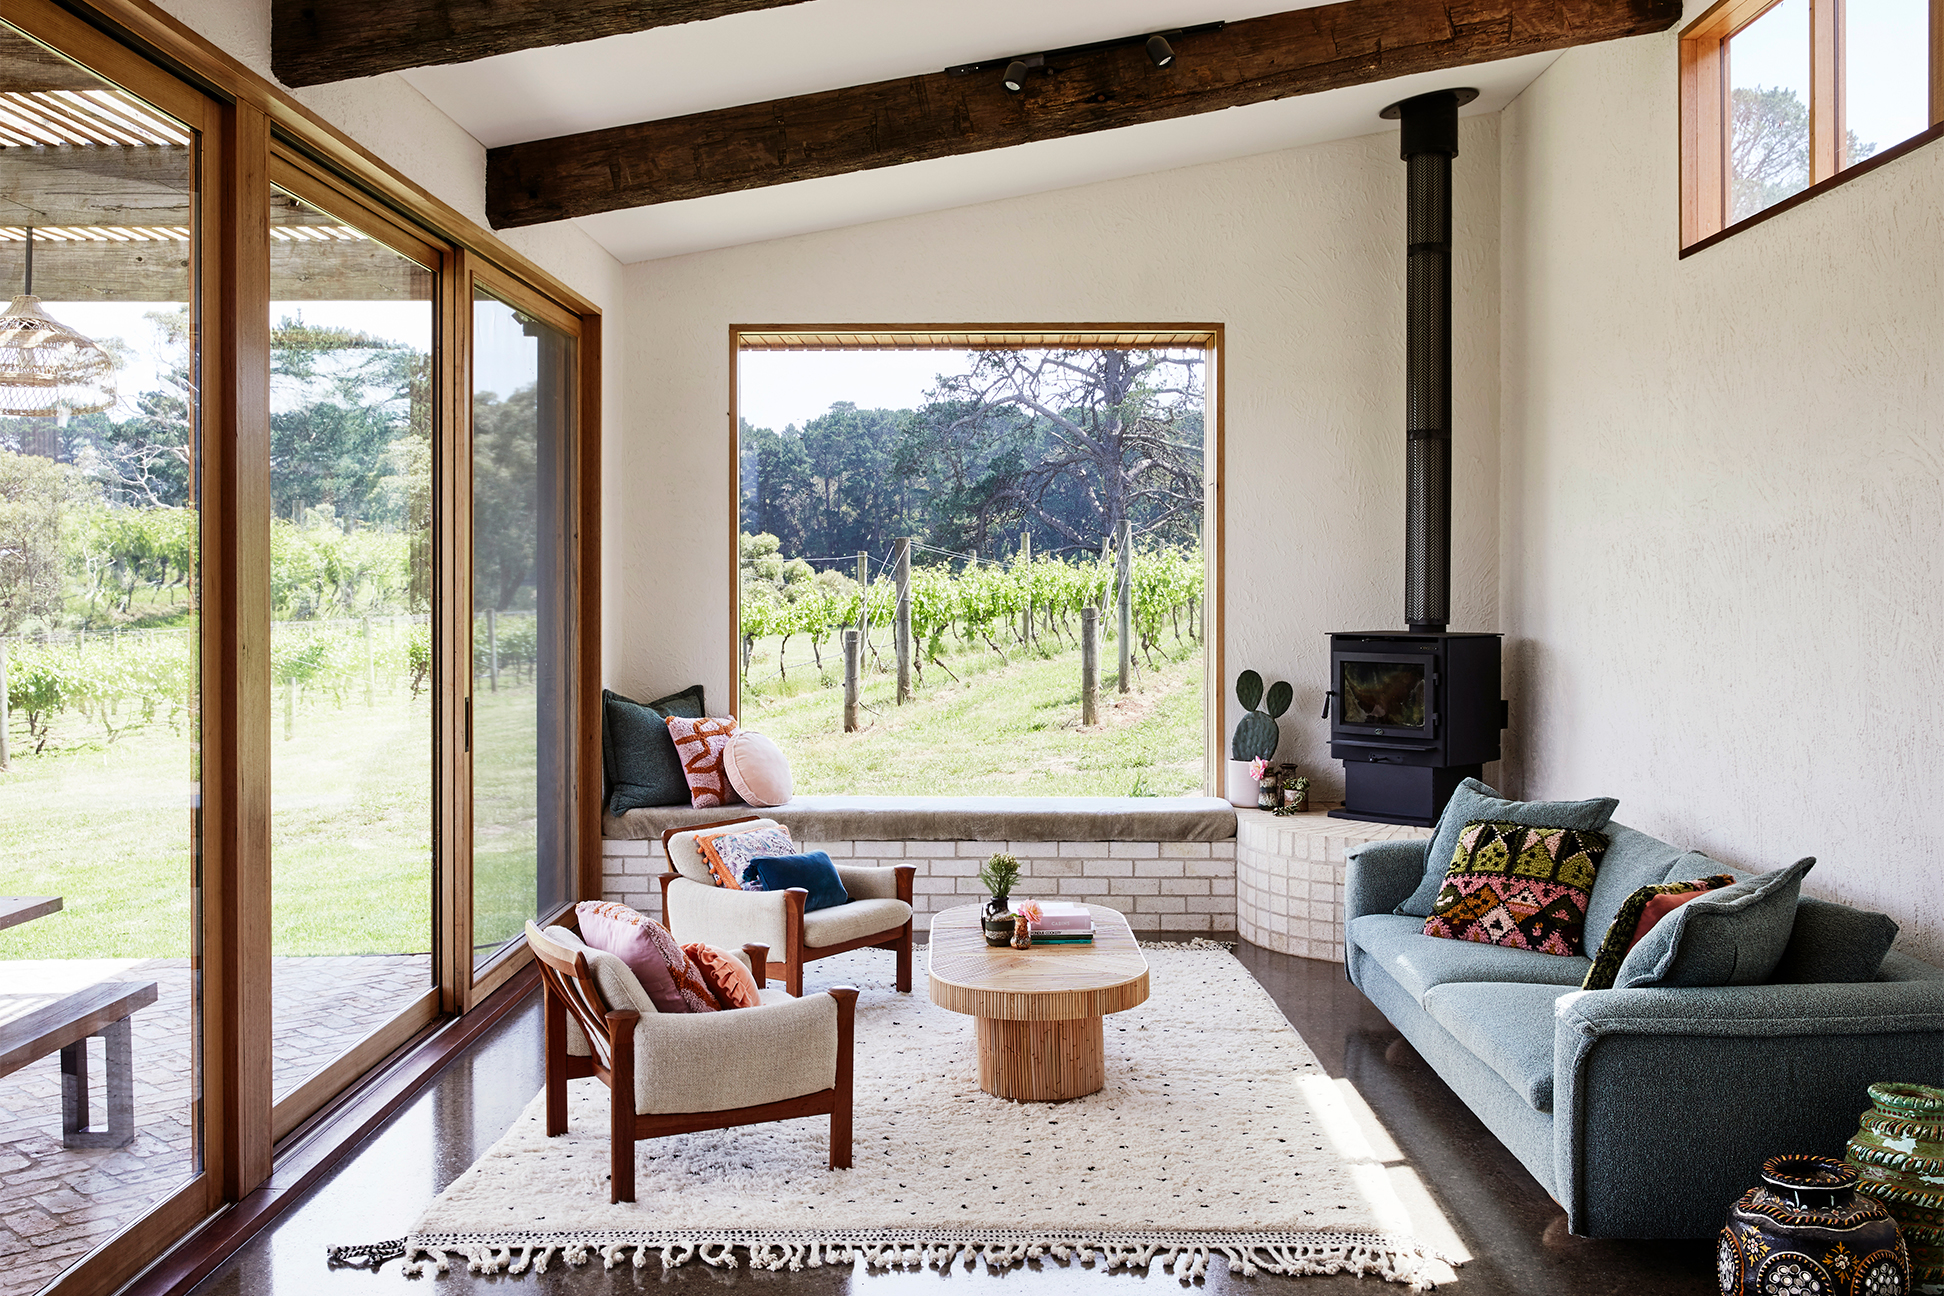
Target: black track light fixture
1160,52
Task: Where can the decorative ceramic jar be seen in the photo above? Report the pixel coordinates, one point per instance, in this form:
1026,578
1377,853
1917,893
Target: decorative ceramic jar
1899,1157
1806,1232
998,926
1269,793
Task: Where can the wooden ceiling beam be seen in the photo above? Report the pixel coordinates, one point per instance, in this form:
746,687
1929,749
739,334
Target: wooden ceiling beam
942,115
314,41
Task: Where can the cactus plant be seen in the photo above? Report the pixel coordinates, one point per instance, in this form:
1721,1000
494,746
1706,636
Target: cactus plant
1256,734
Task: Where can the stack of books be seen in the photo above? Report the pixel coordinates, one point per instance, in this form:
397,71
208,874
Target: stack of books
1063,923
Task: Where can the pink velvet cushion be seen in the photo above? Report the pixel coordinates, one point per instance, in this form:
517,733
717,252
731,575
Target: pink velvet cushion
757,769
664,971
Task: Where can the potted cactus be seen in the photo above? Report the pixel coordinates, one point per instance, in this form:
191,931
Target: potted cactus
1256,734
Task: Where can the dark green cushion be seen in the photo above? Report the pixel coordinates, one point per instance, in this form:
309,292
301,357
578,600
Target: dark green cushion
1734,936
1834,943
639,756
1474,801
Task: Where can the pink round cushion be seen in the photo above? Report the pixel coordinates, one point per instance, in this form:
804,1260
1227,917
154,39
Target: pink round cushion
757,769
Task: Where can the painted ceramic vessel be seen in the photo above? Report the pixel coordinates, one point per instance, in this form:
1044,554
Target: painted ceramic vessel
1806,1231
1898,1152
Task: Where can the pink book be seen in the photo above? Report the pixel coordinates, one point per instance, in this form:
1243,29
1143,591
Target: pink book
1062,916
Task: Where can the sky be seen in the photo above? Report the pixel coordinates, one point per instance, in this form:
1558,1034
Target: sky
779,388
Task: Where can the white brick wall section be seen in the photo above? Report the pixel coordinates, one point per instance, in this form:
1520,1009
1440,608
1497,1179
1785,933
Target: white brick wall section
1134,849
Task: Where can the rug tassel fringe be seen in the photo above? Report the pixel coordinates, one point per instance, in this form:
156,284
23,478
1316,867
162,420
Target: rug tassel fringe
1188,1261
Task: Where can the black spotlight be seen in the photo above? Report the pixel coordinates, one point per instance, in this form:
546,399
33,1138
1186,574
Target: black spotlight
1159,52
1016,76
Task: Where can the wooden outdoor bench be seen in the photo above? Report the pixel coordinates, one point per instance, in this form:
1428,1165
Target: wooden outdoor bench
66,1024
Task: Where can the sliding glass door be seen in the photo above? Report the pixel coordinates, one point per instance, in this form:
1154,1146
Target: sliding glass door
524,375
351,493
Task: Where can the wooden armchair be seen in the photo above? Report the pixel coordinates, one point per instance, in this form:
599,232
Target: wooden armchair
676,1073
696,909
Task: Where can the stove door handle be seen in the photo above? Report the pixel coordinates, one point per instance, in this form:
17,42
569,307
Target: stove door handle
1327,695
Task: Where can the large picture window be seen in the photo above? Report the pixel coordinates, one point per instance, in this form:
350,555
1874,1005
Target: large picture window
1782,97
974,509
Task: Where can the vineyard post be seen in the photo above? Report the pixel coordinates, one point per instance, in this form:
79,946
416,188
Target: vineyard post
1089,665
901,574
5,720
1025,571
370,684
851,664
1124,593
863,584
492,651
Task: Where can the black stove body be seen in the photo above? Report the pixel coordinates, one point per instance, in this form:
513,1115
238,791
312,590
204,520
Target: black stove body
1411,715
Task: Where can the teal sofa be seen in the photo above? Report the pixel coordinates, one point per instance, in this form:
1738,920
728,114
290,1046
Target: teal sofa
1644,1112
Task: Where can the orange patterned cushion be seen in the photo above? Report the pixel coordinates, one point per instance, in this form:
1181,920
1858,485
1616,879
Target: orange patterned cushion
698,745
733,984
730,850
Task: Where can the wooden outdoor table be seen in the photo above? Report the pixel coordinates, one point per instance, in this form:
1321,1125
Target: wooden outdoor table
1039,1011
20,909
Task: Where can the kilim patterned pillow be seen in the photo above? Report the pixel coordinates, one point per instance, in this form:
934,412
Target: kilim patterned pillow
698,745
1638,914
732,852
1518,886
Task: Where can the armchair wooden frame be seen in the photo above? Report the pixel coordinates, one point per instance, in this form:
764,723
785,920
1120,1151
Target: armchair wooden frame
796,952
570,988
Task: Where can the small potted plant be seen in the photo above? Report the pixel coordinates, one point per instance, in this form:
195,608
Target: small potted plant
1256,735
1268,784
999,874
1295,791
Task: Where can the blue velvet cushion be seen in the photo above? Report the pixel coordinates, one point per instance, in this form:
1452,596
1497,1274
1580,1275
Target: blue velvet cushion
811,870
1834,943
1475,801
1734,936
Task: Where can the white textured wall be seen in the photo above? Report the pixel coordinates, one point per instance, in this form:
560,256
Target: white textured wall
1724,497
1300,254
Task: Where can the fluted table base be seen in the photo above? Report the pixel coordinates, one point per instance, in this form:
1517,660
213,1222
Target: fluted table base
1041,1061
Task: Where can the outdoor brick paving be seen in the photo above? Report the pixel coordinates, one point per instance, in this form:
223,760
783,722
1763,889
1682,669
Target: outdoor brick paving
56,1205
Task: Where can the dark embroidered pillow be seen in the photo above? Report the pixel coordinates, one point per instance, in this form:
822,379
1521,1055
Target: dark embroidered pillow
1632,922
1519,886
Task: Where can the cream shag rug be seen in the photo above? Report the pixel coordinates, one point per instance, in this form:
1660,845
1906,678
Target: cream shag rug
1207,1143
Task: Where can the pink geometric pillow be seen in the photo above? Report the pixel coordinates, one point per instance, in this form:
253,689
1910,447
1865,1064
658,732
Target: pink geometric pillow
698,745
650,952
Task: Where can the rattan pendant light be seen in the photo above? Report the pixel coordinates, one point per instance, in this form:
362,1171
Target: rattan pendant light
46,368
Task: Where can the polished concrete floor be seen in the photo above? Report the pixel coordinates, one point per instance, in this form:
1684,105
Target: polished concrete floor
1513,1232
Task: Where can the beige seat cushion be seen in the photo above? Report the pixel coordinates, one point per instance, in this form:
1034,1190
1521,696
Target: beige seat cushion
842,923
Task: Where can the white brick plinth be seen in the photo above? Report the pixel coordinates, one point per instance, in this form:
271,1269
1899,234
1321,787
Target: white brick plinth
1289,878
1160,886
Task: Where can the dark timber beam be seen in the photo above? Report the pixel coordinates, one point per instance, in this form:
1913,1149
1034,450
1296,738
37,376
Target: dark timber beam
313,41
939,115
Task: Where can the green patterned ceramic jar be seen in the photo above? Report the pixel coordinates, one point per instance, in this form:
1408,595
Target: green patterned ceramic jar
1899,1156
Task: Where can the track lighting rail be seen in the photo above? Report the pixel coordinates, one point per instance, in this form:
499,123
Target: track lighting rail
1158,45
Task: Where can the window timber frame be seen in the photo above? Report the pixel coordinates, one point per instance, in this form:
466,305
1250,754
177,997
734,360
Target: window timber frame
1007,337
1706,116
253,136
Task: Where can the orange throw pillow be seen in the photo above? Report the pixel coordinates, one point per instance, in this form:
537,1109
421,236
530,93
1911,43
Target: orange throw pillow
698,745
733,984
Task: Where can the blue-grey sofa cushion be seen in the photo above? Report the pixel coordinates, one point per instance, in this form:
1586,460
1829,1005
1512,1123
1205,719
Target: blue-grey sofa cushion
1474,800
1507,1027
1834,943
1633,860
1734,936
1418,962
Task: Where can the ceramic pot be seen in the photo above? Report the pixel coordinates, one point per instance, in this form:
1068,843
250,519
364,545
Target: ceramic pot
1898,1152
1268,794
1242,790
998,927
1806,1231
1297,801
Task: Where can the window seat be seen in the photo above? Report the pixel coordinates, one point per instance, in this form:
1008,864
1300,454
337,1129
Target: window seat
1168,863
971,818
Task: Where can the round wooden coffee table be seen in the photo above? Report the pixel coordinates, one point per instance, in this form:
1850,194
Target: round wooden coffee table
1039,1010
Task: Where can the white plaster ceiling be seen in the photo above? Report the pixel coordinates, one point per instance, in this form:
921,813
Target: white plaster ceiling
827,44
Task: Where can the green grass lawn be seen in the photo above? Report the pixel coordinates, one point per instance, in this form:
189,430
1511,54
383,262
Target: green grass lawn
106,827
1010,729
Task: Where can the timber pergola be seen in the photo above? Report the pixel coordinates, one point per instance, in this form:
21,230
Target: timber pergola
946,114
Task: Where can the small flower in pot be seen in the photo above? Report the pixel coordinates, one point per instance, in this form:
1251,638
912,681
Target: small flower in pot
999,874
1268,787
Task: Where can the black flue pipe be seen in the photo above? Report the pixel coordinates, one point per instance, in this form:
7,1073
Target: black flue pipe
1428,130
